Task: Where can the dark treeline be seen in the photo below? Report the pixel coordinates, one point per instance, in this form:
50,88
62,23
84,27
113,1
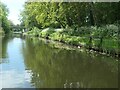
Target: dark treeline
70,14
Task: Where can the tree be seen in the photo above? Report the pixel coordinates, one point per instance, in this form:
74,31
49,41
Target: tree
3,18
72,14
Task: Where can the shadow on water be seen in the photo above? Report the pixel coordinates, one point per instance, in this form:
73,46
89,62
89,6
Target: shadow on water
56,67
4,44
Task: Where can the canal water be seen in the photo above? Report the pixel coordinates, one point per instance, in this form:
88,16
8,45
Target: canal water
37,63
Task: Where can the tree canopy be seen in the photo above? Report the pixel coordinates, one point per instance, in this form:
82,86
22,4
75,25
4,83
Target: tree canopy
62,14
5,23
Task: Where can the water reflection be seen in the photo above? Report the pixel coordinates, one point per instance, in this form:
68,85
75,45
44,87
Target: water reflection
29,63
13,73
52,67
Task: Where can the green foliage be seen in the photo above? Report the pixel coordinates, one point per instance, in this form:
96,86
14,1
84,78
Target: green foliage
62,14
90,24
110,44
46,32
4,22
34,32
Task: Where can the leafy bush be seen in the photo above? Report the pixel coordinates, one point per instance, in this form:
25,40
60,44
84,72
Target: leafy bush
35,31
46,32
112,31
55,36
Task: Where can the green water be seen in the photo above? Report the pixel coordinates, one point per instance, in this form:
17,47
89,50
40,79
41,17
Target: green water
36,63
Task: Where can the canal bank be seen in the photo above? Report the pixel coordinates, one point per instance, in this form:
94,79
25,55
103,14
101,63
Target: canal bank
102,44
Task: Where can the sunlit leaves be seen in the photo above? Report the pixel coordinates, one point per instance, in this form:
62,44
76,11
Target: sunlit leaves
63,14
3,18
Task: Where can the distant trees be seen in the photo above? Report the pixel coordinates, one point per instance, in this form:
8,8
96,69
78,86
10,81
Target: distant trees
63,14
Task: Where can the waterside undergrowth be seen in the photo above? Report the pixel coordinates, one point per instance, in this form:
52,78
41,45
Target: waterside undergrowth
102,39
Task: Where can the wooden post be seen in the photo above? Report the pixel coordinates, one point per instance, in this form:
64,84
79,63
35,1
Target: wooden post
100,44
90,42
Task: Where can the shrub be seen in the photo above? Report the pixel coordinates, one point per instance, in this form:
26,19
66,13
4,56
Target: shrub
35,31
46,32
